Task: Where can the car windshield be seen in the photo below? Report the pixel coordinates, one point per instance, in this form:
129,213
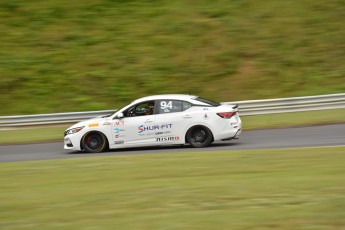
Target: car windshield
208,102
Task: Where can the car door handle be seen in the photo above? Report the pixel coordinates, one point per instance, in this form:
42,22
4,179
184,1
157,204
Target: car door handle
148,121
187,116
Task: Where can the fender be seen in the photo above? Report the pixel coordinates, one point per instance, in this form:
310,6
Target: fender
196,124
92,131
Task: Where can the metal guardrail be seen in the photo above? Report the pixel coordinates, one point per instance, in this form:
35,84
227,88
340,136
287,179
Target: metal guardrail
246,108
48,119
294,104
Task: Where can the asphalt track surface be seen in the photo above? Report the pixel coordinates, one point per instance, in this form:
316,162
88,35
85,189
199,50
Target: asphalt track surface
326,135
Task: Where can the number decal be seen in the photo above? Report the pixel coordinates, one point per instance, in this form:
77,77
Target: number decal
165,105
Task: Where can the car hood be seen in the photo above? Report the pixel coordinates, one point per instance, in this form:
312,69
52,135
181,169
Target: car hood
94,120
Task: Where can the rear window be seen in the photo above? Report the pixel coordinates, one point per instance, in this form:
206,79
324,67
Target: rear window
208,102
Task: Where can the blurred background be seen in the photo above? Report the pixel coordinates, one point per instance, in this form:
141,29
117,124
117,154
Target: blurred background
65,56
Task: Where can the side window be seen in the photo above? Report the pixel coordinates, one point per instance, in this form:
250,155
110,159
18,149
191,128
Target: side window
171,106
186,105
142,109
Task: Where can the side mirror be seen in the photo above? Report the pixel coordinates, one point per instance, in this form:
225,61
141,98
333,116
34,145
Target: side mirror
119,116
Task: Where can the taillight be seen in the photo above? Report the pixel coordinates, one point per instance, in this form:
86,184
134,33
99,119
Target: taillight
226,115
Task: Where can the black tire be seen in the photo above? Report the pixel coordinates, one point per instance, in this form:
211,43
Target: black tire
94,142
199,136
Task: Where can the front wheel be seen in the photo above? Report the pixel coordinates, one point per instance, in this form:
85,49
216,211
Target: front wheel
199,136
94,142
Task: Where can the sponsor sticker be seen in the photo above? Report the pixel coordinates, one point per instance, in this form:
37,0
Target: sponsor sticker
146,134
119,142
168,138
93,125
143,128
119,123
117,130
106,123
162,132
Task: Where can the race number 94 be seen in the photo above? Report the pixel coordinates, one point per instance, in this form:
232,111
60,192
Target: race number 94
166,105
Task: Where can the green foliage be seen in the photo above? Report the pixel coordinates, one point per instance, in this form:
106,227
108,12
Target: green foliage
64,55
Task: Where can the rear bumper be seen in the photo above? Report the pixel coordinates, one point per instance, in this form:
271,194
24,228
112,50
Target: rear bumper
232,130
236,136
238,133
229,134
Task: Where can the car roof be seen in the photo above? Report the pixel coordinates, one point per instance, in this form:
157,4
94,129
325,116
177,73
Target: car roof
183,97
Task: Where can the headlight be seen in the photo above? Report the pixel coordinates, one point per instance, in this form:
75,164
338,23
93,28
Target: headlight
74,130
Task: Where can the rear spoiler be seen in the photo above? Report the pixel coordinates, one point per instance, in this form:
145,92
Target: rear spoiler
235,108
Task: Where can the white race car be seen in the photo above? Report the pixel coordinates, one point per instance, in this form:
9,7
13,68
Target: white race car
157,120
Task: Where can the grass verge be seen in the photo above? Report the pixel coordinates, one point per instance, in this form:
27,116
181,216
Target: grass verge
282,120
30,135
253,189
58,56
250,122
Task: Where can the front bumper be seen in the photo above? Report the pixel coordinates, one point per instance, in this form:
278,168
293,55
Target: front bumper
72,142
68,143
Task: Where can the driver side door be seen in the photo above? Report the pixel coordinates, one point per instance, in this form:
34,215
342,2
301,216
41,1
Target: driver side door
137,127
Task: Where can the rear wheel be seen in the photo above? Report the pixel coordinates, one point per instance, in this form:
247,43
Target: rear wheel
199,136
94,142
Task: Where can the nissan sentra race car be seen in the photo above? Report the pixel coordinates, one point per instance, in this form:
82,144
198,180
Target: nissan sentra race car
157,120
